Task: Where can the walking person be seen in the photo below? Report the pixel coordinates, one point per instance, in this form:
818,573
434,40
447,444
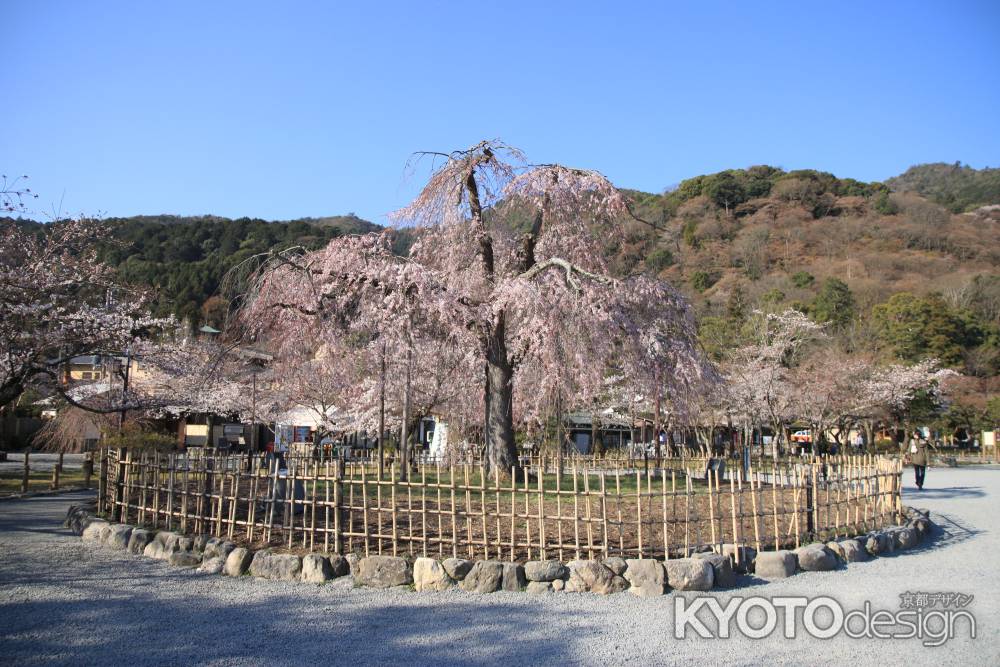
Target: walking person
918,457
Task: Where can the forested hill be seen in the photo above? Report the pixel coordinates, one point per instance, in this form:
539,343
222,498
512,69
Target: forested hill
889,267
186,257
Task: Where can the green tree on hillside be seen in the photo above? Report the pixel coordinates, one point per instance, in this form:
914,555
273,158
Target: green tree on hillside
915,328
725,191
834,304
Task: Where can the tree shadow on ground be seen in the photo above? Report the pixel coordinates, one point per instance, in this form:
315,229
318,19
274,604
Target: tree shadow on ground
254,625
912,495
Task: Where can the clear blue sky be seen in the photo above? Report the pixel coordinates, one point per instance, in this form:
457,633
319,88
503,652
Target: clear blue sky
288,109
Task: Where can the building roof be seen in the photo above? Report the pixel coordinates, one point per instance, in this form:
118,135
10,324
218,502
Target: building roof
86,360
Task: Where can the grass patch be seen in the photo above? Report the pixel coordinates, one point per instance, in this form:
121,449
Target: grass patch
10,481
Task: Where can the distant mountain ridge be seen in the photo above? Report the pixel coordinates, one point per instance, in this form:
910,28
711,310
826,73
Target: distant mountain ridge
347,224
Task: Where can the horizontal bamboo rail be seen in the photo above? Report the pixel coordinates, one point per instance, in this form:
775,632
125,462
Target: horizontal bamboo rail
546,511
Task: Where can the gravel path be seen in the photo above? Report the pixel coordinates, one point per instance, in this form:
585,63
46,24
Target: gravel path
65,602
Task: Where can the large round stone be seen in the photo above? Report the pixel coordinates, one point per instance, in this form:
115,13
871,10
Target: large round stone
316,569
588,576
775,564
456,568
486,576
722,569
690,574
238,562
430,575
545,570
383,572
816,558
646,577
280,567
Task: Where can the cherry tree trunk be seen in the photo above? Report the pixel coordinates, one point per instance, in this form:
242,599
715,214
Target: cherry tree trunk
501,451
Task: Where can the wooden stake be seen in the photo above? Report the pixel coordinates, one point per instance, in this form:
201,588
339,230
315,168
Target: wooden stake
638,510
604,520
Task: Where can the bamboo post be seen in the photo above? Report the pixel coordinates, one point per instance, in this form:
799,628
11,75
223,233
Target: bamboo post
576,513
364,506
663,499
288,523
235,501
378,505
604,519
527,514
754,488
143,471
200,497
56,471
673,500
409,509
482,513
774,507
687,515
156,491
222,497
124,479
711,507
559,527
439,508
273,500
720,507
618,505
25,475
184,498
497,492
88,471
588,514
171,474
638,508
454,515
252,502
795,504
315,504
815,504
513,513
467,510
392,500
423,508
541,510
732,504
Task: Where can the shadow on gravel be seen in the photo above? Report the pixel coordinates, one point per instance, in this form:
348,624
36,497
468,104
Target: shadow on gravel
948,530
281,630
912,495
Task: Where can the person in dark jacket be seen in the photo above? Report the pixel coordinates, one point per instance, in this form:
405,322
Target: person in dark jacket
919,457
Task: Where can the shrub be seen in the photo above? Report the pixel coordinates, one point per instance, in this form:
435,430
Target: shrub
803,279
702,280
659,259
135,436
884,205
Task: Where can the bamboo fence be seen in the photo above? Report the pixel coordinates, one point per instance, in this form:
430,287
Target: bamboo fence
459,510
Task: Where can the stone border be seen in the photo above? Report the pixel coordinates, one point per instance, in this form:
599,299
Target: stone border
642,577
